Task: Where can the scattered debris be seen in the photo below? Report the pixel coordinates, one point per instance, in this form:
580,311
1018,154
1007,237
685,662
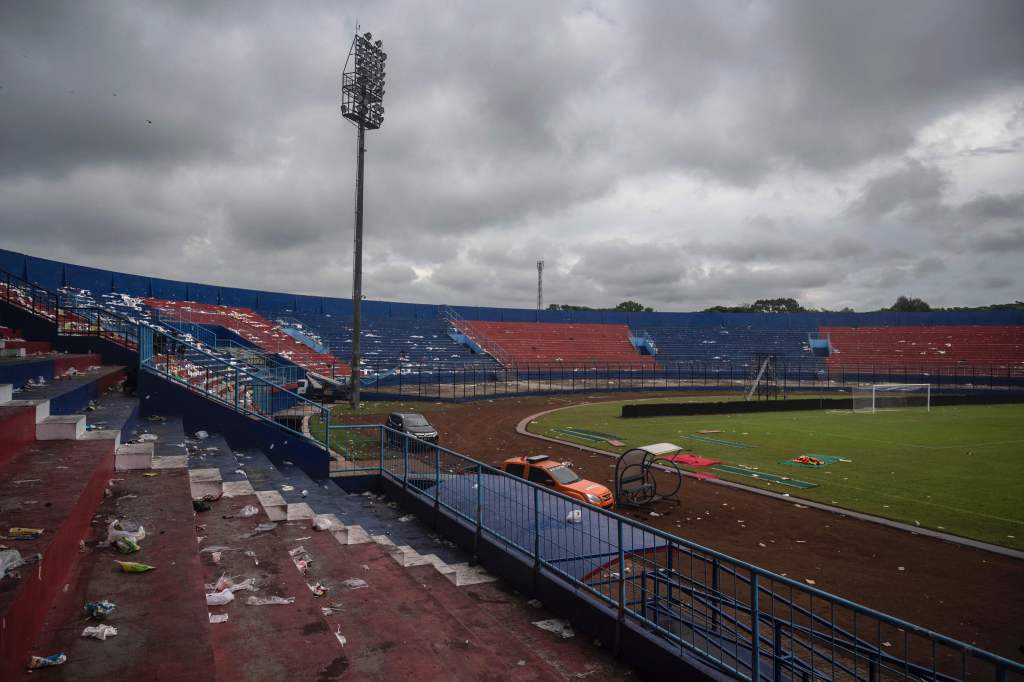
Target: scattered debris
287,488
99,609
263,528
37,662
202,435
321,522
809,581
200,505
407,518
219,598
218,617
247,511
100,632
11,559
558,626
341,638
264,601
134,567
575,516
535,603
252,555
318,589
354,583
18,533
332,609
148,437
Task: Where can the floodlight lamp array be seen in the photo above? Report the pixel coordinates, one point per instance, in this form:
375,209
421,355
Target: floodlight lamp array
362,83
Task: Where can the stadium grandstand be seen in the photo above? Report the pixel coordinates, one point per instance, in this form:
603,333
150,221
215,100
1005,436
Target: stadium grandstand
170,427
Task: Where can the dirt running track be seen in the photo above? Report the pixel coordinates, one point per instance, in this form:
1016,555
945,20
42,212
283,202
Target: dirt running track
966,593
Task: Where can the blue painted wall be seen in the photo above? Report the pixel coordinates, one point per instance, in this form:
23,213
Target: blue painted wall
53,274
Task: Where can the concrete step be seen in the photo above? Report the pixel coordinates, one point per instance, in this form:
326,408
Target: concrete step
6,393
352,535
132,456
61,427
205,483
161,616
58,486
41,406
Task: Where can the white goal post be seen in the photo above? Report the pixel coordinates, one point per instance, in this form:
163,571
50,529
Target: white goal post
885,397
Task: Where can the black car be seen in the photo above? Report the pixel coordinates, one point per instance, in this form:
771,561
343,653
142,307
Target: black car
414,424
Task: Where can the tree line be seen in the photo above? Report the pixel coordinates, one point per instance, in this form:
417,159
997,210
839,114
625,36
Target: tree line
903,304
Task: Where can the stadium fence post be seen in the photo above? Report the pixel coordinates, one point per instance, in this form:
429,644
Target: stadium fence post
236,388
643,595
755,628
479,510
437,483
536,538
715,580
776,651
325,417
381,449
405,463
622,590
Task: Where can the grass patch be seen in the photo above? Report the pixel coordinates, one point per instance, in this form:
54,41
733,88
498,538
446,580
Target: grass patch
356,443
957,469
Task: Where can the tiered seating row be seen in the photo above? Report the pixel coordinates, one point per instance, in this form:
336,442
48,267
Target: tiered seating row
933,346
392,342
254,328
563,344
678,344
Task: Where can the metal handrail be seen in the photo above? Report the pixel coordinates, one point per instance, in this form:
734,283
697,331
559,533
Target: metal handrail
147,360
756,575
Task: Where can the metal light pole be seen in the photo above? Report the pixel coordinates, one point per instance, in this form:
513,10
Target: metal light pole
362,96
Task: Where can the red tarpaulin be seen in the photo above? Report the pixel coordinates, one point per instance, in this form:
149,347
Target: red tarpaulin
692,460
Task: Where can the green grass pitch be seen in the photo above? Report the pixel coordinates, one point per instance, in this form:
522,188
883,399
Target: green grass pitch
955,469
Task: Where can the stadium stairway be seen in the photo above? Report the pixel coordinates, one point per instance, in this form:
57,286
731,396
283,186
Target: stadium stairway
423,611
54,468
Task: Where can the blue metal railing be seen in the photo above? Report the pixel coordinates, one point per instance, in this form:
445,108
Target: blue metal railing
740,618
238,387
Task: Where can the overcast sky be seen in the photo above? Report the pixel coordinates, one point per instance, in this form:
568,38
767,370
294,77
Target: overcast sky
682,154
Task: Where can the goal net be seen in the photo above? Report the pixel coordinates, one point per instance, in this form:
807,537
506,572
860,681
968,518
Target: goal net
879,397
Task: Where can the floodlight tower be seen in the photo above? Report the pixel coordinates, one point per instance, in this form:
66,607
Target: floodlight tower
540,285
362,97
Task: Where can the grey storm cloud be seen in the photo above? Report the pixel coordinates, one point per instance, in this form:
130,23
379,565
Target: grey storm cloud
682,154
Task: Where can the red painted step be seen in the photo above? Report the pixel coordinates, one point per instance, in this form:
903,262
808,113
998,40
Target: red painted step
58,486
161,615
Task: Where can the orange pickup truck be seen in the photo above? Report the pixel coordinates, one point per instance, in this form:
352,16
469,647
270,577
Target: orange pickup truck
555,475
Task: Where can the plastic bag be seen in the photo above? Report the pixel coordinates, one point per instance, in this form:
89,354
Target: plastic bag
126,545
119,528
575,516
100,632
322,523
219,598
99,609
247,511
37,662
133,567
264,601
202,435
